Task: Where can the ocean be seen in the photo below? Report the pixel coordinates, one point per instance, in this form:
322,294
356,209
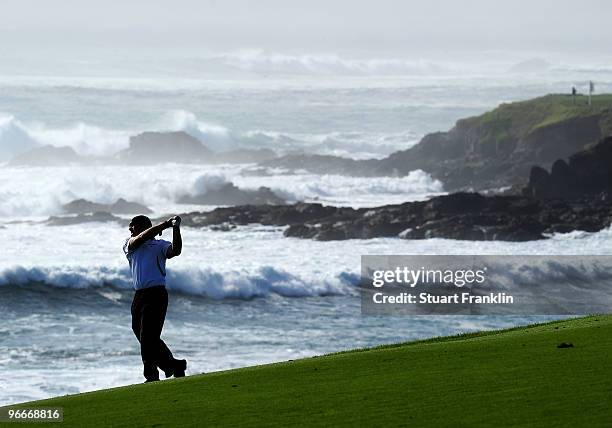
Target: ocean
249,295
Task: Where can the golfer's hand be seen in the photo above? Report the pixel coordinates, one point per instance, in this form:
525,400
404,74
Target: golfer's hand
175,221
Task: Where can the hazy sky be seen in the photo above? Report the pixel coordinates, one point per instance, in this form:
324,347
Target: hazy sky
309,24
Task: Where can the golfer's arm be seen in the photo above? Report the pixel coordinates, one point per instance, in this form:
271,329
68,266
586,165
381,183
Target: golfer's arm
177,243
144,236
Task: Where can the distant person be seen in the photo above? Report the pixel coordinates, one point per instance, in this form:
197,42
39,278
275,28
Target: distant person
147,257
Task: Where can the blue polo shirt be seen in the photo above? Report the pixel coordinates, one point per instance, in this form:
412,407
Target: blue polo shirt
148,263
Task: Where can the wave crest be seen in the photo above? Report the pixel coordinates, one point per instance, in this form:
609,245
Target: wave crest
262,61
14,138
264,281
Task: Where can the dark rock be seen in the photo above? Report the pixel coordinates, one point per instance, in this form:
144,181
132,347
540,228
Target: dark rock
454,204
82,218
588,172
161,147
300,231
465,216
477,154
225,227
244,156
121,206
256,172
323,164
540,183
565,345
301,213
491,151
229,194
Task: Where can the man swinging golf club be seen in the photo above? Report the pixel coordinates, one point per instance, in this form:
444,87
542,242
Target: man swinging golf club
147,257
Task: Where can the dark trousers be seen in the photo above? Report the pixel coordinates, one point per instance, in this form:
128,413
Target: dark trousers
148,314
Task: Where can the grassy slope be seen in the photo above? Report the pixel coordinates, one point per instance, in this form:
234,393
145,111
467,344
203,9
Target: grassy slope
512,378
521,118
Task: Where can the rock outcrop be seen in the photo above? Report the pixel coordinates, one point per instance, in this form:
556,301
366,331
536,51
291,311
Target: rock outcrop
466,216
325,164
161,147
490,151
587,173
101,217
229,194
244,156
120,206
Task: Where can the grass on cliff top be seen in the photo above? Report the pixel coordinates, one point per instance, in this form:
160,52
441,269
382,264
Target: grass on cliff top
523,117
516,377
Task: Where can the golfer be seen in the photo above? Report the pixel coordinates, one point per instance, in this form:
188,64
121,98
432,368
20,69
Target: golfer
147,257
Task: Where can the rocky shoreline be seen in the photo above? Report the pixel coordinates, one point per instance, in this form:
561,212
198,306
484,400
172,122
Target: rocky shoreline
494,150
574,196
464,216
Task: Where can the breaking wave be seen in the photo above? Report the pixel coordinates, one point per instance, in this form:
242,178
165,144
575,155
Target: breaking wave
264,281
40,192
14,138
262,61
299,187
87,139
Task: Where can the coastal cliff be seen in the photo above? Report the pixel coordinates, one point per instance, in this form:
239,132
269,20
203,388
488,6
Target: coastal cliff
494,150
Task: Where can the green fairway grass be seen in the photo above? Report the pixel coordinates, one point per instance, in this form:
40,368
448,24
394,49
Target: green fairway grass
516,377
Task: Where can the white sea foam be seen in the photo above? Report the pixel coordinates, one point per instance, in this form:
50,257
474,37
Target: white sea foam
261,61
248,281
40,191
84,138
353,191
248,262
14,138
262,282
215,137
207,183
17,137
